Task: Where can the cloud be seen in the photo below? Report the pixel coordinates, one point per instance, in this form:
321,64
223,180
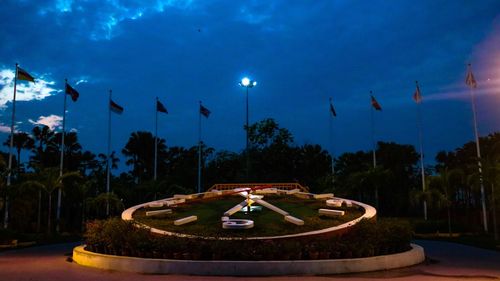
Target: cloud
4,128
25,91
101,18
83,80
64,5
52,121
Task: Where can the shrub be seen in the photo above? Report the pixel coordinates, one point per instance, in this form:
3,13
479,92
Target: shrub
367,238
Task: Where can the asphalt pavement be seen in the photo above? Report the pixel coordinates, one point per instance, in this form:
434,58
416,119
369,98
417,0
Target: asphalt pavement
446,261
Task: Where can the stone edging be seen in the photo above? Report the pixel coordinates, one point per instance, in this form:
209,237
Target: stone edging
248,268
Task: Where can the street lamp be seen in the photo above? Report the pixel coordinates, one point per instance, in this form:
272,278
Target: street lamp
247,83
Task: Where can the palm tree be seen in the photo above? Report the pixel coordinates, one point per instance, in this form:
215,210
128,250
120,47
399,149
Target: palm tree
371,180
491,174
45,139
3,187
48,179
72,149
153,188
22,141
97,205
103,158
140,151
445,180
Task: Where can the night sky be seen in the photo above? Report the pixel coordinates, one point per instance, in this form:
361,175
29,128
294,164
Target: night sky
300,52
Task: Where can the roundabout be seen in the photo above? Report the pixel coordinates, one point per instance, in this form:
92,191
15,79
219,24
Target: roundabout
249,229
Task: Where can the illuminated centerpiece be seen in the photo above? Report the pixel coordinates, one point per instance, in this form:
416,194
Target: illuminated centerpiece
234,229
286,210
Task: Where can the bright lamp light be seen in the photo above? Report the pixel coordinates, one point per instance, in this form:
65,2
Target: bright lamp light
245,82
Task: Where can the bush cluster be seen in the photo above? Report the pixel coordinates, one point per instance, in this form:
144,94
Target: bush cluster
365,239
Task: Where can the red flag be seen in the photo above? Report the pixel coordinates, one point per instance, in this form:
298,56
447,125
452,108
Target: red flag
160,107
72,92
24,75
115,107
417,96
375,104
204,111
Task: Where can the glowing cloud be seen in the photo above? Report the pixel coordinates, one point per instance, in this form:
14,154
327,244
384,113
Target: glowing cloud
105,15
4,128
52,121
25,91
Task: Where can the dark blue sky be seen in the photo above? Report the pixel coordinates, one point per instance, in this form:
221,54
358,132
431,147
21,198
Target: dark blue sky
300,52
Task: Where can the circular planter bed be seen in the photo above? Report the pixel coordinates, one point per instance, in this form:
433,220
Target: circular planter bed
248,268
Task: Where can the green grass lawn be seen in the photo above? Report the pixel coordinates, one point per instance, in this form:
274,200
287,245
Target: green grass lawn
267,222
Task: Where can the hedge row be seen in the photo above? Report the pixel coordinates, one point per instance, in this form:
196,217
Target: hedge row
365,239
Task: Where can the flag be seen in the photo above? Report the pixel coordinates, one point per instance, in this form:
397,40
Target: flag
375,104
72,92
24,75
204,111
115,107
332,110
417,96
469,79
160,107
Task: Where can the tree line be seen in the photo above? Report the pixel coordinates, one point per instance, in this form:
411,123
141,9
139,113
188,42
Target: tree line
394,186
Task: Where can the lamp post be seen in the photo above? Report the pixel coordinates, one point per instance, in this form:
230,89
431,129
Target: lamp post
247,83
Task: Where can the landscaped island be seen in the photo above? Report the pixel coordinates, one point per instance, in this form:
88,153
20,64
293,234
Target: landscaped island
284,222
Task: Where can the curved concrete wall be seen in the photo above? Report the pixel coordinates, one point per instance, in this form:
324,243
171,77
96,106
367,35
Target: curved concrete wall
248,268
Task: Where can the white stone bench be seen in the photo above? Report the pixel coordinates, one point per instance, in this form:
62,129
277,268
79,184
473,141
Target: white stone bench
172,202
155,205
331,213
294,220
323,196
348,203
184,196
185,220
158,212
334,203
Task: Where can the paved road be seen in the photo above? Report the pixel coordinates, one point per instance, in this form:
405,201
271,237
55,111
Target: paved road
448,261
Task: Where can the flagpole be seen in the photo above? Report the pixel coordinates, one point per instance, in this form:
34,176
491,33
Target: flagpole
420,140
109,155
156,140
330,123
6,214
61,164
478,152
373,135
199,149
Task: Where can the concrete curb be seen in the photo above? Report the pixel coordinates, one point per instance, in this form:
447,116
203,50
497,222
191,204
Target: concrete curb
248,268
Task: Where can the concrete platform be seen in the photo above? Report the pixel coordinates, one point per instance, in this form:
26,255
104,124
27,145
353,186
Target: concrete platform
248,268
